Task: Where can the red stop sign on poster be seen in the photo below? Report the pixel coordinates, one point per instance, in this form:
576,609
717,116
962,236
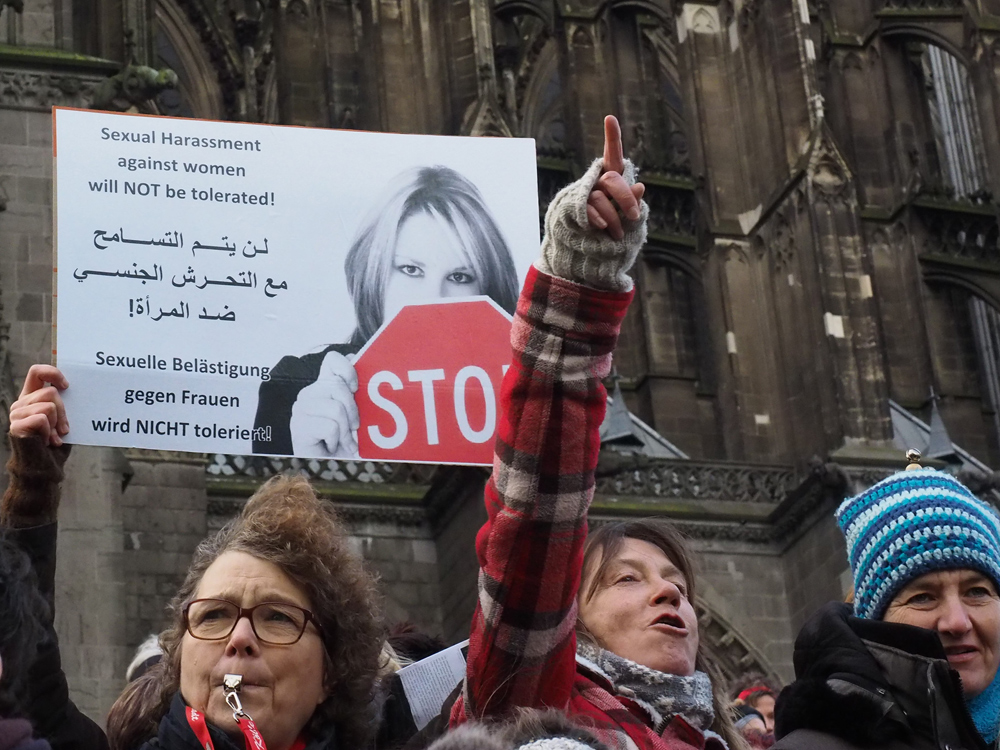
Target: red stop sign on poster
429,383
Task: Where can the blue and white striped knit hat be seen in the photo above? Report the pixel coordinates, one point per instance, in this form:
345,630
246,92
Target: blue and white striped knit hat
912,523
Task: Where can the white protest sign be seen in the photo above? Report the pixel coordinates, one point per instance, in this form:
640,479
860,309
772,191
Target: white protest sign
428,682
215,281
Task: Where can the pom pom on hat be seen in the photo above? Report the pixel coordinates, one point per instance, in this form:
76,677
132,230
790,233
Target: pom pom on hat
915,522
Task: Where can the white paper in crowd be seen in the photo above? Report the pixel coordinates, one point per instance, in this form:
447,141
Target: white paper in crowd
428,682
193,256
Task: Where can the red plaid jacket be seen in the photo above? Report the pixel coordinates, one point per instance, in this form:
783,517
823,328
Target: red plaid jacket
522,648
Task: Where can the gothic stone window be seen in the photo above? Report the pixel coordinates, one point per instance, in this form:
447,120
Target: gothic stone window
963,176
986,329
953,113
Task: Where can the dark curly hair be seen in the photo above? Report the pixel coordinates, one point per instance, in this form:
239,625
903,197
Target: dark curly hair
23,613
286,524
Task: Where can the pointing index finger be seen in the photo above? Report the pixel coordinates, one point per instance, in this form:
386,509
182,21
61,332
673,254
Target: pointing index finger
614,156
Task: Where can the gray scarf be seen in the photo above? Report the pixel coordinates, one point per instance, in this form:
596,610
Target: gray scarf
662,695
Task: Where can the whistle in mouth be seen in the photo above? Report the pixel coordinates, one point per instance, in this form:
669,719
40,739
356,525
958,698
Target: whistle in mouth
232,684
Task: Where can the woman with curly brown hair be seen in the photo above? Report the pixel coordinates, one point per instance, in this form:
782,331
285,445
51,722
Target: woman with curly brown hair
274,636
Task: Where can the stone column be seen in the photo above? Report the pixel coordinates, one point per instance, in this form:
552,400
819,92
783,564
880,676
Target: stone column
90,606
299,55
850,317
584,57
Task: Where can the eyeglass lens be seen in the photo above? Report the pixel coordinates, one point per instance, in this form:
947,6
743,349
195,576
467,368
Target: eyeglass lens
273,622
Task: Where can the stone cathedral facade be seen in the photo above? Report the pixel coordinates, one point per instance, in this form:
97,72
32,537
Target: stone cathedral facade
820,289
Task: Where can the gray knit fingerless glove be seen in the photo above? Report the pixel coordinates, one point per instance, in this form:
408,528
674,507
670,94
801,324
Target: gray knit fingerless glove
574,250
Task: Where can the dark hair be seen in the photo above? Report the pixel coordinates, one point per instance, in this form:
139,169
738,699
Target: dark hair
134,716
600,550
439,191
23,614
286,524
412,644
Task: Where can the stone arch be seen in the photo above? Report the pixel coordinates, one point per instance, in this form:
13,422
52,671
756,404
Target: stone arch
645,43
543,100
879,242
644,6
979,285
581,36
187,43
926,34
979,294
298,13
675,311
731,652
953,118
509,9
702,21
664,45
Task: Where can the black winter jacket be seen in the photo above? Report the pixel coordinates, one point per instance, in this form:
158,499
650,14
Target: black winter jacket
176,734
47,703
871,684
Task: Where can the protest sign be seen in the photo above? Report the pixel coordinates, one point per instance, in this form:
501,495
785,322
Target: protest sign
428,682
216,282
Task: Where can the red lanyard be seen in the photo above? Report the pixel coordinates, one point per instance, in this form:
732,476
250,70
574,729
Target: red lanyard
254,741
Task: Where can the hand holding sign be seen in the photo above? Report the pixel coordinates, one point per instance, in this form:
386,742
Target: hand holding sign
39,410
325,417
612,193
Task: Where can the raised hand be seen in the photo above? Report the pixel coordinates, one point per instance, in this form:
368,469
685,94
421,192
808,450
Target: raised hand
612,196
325,417
39,410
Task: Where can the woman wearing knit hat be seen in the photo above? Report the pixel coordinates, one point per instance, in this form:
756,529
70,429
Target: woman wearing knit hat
915,664
603,627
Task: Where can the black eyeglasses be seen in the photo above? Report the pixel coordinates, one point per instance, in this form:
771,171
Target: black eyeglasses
276,623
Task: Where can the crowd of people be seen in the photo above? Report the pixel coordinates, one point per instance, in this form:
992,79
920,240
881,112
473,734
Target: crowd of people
275,638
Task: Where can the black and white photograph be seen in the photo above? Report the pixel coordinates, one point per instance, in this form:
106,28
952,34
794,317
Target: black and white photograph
433,238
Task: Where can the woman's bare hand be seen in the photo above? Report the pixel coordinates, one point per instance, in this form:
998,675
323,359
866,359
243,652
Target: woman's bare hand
325,416
39,410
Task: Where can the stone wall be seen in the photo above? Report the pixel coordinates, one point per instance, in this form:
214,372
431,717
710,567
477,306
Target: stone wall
815,569
164,519
745,586
91,586
458,565
26,234
405,559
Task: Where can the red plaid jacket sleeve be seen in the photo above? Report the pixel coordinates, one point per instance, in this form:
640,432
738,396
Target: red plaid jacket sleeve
522,649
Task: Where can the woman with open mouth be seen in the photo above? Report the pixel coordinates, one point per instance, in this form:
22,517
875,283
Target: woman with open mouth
602,627
915,664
